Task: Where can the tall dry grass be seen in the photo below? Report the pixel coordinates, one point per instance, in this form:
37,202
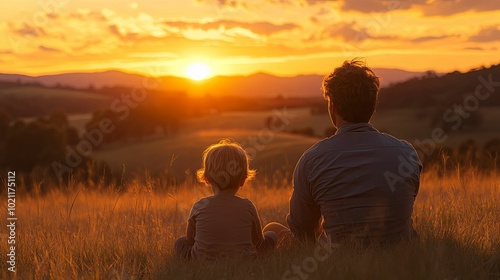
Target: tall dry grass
85,234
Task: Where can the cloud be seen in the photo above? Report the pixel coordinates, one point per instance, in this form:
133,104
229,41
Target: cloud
376,6
26,29
430,38
348,32
260,28
75,31
137,28
427,7
344,30
90,15
115,30
232,3
474,49
48,49
225,3
487,34
446,8
244,3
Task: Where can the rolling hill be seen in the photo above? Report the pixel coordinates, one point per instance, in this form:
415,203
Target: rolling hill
182,153
33,100
256,85
444,90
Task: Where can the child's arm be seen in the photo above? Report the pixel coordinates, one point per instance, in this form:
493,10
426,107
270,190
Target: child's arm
191,226
257,237
263,242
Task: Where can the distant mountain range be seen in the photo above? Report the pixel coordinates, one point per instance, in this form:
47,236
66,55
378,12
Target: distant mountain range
256,85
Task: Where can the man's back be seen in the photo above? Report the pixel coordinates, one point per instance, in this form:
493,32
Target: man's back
361,181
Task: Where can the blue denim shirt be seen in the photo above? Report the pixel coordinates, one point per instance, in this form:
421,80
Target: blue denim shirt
362,182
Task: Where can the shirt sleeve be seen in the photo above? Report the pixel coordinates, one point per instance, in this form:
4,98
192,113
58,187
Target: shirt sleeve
191,226
416,164
305,214
257,237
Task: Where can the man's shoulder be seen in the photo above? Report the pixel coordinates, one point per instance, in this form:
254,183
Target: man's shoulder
401,144
324,147
396,141
340,143
317,148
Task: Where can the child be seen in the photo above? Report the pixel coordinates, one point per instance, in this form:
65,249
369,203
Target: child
224,224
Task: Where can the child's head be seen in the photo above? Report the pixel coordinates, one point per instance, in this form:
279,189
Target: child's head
225,165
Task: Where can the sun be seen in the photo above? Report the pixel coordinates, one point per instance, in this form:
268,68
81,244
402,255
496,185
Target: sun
198,71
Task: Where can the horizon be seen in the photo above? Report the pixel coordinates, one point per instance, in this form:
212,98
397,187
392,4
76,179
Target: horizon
126,71
238,38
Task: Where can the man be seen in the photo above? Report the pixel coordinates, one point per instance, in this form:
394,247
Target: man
362,182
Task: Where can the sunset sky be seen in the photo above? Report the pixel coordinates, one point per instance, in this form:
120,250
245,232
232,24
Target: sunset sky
240,37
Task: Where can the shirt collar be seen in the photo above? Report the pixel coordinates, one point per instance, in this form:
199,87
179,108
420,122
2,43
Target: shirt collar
356,127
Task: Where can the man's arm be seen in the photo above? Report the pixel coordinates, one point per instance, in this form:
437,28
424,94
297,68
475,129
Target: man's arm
416,164
305,214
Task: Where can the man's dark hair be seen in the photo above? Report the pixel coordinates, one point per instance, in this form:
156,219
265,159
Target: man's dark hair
353,88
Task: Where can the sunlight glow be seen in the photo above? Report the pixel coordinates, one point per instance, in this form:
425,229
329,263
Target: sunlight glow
198,71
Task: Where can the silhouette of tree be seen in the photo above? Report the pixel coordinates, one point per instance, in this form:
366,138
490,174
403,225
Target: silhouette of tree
5,120
429,74
59,118
29,145
159,112
99,116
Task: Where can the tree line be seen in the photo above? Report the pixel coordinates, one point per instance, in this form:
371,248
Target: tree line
31,147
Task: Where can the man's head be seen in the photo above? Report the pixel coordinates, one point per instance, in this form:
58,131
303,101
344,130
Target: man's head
351,91
225,165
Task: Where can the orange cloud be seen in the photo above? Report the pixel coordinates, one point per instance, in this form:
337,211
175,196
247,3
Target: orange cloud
260,28
430,38
351,32
427,7
487,34
48,49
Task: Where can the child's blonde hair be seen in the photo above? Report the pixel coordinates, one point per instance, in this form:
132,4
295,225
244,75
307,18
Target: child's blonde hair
225,165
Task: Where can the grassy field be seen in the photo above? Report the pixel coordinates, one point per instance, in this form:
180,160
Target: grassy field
89,234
